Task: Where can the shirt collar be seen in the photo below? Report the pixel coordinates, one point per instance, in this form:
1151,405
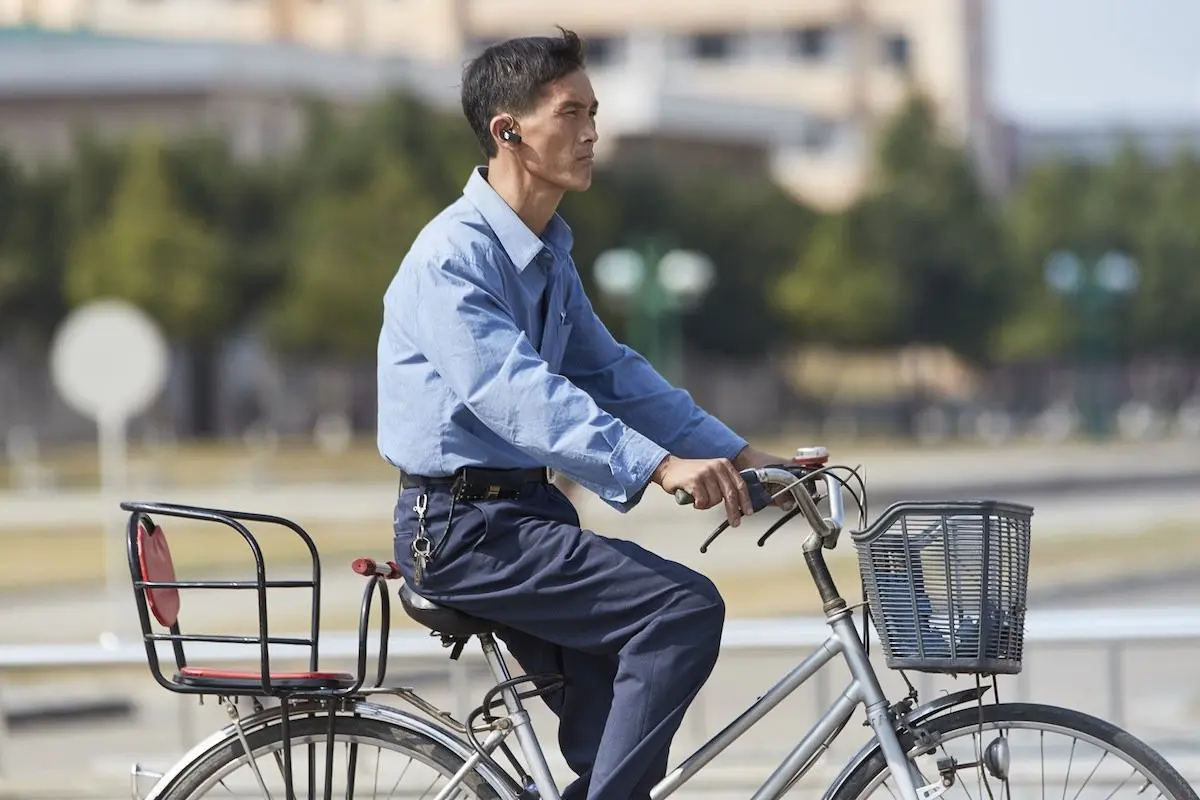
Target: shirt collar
520,244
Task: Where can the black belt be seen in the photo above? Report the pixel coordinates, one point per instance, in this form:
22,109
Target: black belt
477,483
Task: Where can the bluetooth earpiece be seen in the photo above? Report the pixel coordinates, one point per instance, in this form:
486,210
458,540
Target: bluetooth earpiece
508,134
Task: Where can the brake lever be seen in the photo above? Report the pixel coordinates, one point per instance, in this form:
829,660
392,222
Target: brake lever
785,519
712,536
760,499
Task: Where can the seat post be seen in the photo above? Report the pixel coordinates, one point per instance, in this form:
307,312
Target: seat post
534,757
495,659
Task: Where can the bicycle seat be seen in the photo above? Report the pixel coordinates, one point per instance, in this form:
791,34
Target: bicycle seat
441,619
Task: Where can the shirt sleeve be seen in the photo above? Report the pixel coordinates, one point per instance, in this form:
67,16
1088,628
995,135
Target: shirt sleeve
467,331
626,385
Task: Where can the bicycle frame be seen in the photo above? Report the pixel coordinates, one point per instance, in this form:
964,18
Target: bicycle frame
863,688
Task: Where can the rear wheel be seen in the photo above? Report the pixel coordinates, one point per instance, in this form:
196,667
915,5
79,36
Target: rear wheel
371,759
1040,751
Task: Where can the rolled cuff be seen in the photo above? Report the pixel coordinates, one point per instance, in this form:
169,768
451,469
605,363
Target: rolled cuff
634,460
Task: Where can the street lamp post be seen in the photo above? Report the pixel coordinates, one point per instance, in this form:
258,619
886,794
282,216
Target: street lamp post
1092,289
655,288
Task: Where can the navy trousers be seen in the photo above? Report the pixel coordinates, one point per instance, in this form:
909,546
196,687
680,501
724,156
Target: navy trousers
634,635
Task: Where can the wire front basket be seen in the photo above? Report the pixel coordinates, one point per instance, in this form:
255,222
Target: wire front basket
946,585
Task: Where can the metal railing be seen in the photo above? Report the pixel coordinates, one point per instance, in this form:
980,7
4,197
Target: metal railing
1114,631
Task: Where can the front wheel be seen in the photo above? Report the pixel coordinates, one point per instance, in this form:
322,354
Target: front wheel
1040,751
371,758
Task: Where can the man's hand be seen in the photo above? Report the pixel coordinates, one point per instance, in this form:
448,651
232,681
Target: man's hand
750,458
709,481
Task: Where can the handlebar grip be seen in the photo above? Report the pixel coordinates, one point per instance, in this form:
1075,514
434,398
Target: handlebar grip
683,497
369,566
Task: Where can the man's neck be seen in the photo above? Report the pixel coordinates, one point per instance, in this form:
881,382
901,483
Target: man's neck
532,200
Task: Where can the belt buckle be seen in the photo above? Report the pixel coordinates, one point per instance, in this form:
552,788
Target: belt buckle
492,493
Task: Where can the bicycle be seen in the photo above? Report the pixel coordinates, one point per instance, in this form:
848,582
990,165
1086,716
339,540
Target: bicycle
944,585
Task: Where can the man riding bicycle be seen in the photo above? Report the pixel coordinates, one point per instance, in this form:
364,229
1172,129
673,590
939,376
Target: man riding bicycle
493,368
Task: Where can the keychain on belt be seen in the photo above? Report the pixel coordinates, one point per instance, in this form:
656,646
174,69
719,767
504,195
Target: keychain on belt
422,546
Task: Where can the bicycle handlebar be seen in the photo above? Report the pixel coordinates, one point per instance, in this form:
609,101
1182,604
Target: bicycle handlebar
792,479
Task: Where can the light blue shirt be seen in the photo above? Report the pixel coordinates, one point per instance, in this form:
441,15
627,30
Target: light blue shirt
491,355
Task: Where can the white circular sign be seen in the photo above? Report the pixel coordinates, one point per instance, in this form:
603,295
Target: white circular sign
109,360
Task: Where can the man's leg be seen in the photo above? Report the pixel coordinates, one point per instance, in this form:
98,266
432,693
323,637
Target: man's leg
527,565
584,702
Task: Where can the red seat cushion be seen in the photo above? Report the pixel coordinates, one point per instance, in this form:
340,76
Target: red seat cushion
251,680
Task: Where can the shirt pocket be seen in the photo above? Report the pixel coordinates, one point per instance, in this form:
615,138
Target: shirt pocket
554,340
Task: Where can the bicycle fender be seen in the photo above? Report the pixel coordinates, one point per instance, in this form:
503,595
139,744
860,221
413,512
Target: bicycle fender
270,716
917,715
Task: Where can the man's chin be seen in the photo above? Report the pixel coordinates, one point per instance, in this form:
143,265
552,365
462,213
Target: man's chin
580,181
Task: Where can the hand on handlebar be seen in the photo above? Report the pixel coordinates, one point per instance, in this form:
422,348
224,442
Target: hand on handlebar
752,458
763,483
709,482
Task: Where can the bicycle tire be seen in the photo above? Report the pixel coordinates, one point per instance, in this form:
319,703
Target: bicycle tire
1120,742
369,732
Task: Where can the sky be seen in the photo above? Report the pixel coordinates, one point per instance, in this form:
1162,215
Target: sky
1063,62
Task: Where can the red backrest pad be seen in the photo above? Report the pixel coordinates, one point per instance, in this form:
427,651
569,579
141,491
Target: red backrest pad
154,557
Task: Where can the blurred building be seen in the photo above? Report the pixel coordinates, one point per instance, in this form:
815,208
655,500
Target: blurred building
793,88
54,85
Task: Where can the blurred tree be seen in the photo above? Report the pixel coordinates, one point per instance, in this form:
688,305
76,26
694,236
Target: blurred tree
751,230
151,252
1128,205
1167,302
16,271
439,146
362,188
837,295
95,172
1044,215
34,253
246,204
348,245
920,258
931,221
340,151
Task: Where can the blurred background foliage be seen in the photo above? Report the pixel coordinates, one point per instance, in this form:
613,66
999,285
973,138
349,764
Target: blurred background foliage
303,246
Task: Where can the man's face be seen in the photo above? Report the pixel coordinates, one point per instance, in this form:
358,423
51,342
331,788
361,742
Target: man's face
559,136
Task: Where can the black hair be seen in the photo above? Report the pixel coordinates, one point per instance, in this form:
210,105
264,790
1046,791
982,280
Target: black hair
509,76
